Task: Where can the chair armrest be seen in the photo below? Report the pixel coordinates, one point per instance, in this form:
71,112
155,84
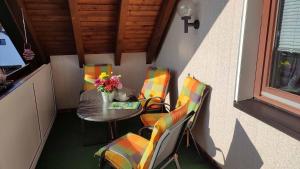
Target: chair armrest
166,106
143,128
120,153
152,98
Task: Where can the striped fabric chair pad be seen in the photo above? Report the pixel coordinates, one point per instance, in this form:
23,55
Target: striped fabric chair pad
134,151
159,128
92,72
150,119
131,146
156,83
192,88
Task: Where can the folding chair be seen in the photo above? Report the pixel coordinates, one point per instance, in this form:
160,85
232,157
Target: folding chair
193,89
134,151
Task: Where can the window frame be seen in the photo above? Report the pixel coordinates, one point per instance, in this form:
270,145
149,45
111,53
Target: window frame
12,29
264,61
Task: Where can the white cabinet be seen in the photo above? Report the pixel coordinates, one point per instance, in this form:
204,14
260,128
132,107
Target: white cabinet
42,83
19,128
26,117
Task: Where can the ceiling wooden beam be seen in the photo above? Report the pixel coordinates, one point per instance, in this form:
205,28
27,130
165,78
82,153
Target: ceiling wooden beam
167,9
73,6
30,32
121,30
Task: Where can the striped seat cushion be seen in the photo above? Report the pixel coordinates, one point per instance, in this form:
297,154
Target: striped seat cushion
92,72
156,83
149,119
131,146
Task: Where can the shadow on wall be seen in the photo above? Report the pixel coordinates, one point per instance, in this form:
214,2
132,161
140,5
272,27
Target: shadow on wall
242,148
202,127
182,46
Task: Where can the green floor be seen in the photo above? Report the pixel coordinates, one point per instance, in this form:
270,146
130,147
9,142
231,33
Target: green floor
64,148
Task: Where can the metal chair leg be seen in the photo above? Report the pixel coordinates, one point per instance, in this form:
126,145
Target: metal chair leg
176,161
194,141
175,158
115,129
187,139
167,163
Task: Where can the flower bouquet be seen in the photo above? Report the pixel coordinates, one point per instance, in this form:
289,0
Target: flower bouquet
107,85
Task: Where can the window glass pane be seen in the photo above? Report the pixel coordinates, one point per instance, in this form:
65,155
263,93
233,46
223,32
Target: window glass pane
285,69
10,59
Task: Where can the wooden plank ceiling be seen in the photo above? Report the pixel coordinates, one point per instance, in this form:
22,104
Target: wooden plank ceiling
97,26
51,22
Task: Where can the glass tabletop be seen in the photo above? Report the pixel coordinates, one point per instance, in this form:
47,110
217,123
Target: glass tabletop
92,108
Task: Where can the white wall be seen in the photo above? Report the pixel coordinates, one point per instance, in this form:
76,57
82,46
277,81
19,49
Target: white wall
133,68
233,138
250,30
8,53
68,77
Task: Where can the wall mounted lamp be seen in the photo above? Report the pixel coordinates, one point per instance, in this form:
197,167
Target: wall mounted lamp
185,9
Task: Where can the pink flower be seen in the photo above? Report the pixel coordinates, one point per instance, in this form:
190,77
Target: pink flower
109,83
120,86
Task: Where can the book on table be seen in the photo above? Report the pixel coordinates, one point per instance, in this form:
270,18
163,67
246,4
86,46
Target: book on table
124,105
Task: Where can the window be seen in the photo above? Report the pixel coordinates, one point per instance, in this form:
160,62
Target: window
2,42
10,59
278,67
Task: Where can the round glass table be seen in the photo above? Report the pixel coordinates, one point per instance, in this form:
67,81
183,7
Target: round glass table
92,108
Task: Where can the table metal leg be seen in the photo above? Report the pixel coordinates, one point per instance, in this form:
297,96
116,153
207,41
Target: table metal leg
111,130
82,126
115,129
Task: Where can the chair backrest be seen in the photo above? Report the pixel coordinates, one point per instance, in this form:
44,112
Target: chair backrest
169,142
92,72
200,107
195,90
156,83
159,128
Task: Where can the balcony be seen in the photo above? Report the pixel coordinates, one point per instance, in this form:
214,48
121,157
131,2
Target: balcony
246,52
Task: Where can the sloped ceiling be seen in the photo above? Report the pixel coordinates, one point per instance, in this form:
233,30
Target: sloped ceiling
97,26
52,24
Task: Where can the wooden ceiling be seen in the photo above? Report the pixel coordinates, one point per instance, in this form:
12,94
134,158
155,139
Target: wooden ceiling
52,25
99,26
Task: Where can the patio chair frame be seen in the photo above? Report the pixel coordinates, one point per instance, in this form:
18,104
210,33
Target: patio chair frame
190,127
172,156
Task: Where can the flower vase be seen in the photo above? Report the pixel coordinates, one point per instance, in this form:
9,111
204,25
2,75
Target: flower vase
108,97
